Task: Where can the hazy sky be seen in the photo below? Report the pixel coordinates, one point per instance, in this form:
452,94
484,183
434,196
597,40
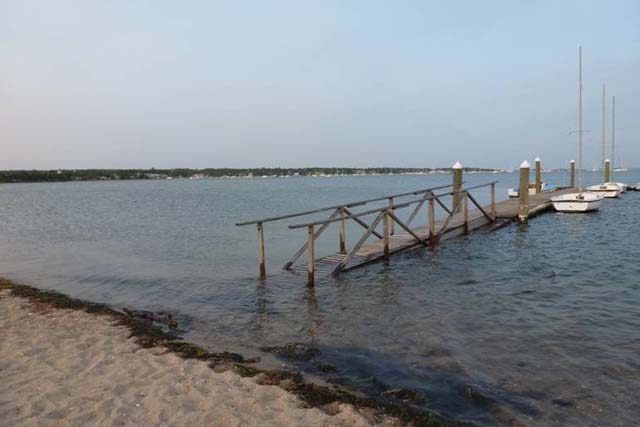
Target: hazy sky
304,83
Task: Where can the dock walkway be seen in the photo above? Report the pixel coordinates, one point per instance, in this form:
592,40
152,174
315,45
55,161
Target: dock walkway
372,251
380,239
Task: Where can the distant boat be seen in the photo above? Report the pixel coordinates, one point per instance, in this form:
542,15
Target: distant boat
580,201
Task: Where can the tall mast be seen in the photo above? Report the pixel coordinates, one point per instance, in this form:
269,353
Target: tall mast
613,136
603,128
580,119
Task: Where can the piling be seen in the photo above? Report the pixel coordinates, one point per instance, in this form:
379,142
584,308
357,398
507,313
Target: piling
572,173
310,256
523,203
538,176
457,184
261,262
607,169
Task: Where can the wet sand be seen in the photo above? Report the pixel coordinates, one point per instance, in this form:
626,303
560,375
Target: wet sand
63,367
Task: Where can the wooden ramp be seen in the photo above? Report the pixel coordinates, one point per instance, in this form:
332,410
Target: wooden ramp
372,251
464,215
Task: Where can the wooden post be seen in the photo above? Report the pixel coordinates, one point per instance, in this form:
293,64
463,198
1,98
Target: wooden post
385,234
465,207
538,176
607,169
493,201
261,263
572,173
457,183
310,255
391,225
523,202
343,247
431,213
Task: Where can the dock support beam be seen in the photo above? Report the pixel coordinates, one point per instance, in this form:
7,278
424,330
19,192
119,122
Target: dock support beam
538,176
310,256
493,201
465,207
572,173
263,270
523,199
607,169
457,183
343,246
391,226
385,233
431,221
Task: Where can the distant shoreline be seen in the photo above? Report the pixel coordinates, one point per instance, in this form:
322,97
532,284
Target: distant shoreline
65,175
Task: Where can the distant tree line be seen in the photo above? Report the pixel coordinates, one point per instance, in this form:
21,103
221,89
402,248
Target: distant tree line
10,176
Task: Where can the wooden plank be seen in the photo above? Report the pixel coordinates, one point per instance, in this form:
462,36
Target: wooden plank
261,261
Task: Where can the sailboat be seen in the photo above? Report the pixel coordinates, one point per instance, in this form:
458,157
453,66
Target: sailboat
621,185
607,189
581,201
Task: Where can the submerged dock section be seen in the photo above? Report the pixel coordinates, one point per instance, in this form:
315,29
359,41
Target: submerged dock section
384,233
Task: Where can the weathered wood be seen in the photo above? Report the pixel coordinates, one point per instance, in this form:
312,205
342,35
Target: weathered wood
407,229
457,184
361,222
431,222
480,208
347,205
465,209
391,227
385,233
372,251
261,261
303,248
418,207
343,247
523,197
310,256
493,201
455,209
358,245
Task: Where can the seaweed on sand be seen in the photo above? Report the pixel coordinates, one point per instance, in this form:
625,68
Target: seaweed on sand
147,335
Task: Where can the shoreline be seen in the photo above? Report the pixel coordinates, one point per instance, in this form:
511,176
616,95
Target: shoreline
330,405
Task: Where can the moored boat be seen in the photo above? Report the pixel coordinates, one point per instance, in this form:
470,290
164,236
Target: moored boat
609,190
577,202
581,201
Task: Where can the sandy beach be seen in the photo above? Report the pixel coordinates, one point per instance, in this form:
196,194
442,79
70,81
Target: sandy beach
63,367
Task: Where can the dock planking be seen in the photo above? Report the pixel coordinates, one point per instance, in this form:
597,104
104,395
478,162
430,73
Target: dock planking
386,234
505,211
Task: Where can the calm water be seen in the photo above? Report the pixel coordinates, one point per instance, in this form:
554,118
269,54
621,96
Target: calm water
530,325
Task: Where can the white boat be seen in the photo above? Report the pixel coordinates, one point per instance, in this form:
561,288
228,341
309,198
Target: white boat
608,190
580,201
621,185
577,202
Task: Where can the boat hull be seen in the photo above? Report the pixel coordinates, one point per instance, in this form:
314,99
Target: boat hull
608,191
577,202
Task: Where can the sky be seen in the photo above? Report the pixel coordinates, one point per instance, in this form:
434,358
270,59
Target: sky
140,84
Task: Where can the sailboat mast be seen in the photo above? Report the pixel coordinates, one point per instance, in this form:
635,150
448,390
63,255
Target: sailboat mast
580,119
603,128
613,136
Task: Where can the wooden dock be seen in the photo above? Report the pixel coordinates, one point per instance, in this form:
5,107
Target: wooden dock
506,211
380,240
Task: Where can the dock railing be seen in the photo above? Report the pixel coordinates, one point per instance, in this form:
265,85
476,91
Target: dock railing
385,214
